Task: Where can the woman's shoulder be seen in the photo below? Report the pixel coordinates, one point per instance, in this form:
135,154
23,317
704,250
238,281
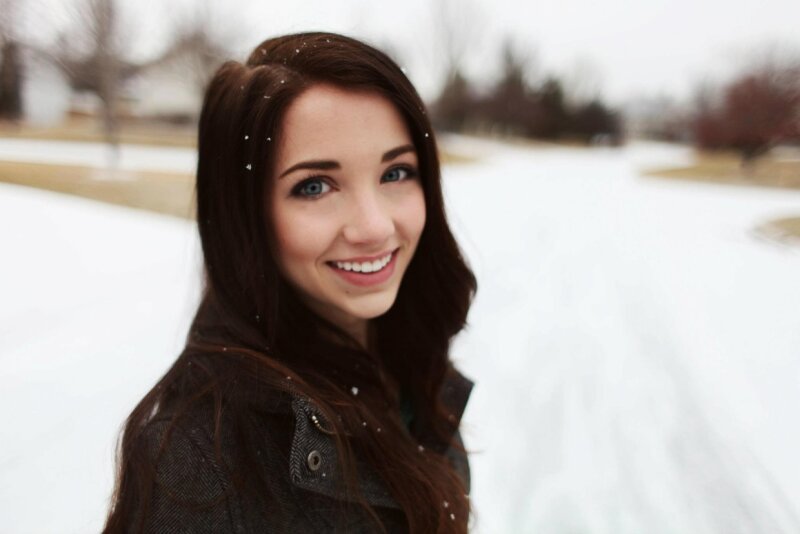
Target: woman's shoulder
198,472
190,488
208,437
183,453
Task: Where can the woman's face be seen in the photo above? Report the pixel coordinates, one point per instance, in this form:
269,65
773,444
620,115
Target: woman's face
347,203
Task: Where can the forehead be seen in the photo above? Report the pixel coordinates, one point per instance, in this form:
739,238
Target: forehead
327,121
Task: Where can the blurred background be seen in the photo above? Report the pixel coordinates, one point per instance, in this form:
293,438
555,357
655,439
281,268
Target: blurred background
623,177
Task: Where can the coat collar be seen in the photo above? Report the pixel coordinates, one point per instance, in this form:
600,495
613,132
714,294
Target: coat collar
311,444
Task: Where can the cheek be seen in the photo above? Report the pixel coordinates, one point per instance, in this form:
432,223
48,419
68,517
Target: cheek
414,214
300,237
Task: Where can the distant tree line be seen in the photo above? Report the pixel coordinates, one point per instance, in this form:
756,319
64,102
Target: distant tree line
514,106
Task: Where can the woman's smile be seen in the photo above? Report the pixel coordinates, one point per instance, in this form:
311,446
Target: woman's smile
366,272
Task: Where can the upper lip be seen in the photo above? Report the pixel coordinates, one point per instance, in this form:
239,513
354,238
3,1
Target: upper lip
362,259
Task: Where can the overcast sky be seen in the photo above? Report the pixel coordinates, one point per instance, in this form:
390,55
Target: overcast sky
621,48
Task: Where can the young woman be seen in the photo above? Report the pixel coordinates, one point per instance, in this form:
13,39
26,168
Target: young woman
315,392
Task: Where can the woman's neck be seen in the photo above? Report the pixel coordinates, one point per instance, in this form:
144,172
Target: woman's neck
358,330
355,327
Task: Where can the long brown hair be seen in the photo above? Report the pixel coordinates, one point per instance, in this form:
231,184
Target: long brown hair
250,331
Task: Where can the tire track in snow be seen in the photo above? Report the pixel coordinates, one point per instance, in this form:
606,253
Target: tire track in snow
726,488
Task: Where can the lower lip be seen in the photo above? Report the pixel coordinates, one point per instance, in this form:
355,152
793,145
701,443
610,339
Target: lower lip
368,279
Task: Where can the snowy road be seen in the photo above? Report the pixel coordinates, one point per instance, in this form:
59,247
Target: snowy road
636,347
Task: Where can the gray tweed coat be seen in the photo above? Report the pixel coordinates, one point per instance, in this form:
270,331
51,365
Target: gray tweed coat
299,460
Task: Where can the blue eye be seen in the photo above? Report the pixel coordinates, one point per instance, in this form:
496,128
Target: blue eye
311,188
397,174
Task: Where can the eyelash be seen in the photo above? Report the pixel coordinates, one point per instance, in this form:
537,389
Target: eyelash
297,190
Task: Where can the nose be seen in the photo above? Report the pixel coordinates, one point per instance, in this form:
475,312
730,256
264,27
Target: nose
369,220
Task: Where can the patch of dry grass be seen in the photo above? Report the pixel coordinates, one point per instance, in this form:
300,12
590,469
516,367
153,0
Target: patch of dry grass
139,133
167,193
785,230
726,168
451,158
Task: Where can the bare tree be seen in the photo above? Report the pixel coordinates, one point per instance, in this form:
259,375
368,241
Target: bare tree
457,31
757,110
90,54
762,109
100,18
203,36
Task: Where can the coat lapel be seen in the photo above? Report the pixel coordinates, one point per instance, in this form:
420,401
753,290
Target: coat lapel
313,460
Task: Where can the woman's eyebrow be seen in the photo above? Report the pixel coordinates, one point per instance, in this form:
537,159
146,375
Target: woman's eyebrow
393,153
321,165
329,164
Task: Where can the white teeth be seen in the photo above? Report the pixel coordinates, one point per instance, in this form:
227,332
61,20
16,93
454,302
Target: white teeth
365,267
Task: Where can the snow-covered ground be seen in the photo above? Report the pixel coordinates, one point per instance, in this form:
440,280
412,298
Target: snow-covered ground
636,346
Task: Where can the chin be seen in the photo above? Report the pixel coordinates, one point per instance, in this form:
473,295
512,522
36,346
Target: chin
371,308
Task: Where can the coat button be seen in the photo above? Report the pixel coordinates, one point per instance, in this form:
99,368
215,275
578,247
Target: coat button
314,460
